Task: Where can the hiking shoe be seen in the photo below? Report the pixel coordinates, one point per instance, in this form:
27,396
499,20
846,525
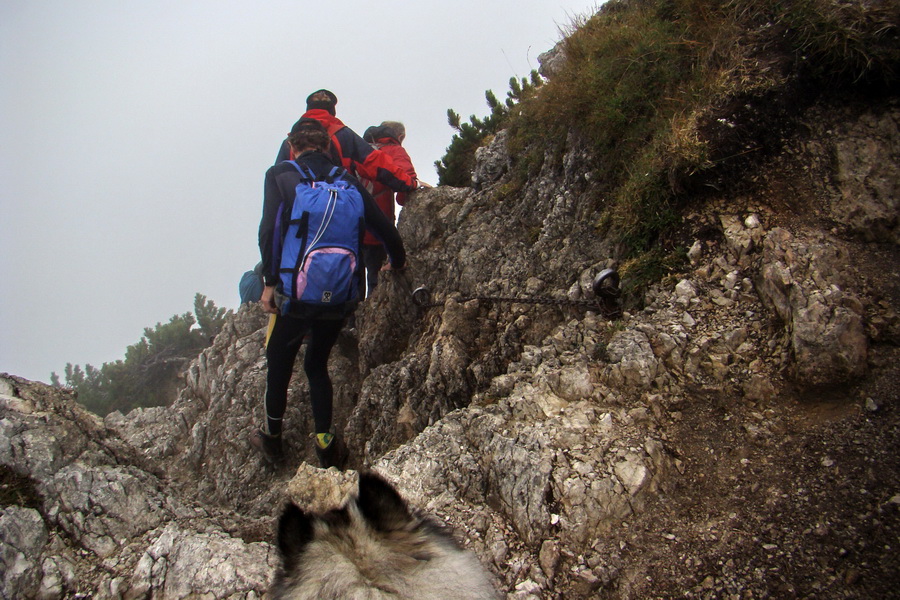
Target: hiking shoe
332,455
268,445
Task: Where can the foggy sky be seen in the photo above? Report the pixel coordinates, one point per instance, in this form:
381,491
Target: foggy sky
135,137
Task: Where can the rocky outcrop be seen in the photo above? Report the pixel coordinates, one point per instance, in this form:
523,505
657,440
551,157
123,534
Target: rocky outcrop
103,524
491,161
867,152
801,283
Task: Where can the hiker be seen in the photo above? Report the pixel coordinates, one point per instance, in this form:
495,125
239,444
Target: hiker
296,316
348,149
388,138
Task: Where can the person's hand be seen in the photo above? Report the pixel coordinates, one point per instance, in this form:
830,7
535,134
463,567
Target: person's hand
268,300
388,267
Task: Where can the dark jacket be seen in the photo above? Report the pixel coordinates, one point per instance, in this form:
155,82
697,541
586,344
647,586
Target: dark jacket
278,198
357,156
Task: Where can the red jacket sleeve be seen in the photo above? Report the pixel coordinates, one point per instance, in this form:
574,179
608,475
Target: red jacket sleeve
401,158
379,166
370,163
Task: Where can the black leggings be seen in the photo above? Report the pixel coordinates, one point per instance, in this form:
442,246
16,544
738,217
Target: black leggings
373,259
284,344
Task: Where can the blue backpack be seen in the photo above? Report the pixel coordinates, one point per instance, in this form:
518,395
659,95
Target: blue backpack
320,248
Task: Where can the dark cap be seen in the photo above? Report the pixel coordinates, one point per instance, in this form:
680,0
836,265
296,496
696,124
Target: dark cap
307,123
370,134
322,99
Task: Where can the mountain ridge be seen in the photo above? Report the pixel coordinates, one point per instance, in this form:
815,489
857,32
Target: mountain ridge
733,434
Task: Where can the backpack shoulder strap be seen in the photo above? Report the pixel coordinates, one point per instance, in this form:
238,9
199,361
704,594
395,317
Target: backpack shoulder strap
305,171
336,173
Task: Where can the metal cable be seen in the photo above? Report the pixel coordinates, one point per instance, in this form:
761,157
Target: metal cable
606,304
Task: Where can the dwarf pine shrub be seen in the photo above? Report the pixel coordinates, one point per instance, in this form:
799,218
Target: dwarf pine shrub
455,168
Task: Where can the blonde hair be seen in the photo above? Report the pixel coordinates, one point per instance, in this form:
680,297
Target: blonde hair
395,129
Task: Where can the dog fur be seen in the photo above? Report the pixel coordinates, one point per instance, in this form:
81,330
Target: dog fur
373,548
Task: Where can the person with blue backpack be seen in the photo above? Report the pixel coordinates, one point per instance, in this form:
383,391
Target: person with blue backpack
314,217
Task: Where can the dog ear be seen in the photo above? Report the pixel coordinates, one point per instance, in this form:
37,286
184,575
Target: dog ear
295,531
380,503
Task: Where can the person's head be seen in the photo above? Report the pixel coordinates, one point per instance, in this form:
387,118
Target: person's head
322,99
309,134
371,134
394,129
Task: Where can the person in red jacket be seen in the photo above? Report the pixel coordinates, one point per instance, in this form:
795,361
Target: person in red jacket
387,138
350,150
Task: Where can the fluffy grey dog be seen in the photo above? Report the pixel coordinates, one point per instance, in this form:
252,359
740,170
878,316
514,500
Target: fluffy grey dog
373,548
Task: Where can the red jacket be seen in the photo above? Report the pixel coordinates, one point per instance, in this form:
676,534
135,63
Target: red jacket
356,155
384,196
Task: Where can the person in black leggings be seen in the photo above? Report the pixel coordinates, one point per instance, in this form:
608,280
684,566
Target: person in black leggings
310,142
281,351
